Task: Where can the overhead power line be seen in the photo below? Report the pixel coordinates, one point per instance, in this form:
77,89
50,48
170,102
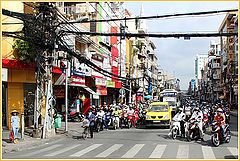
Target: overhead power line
161,16
216,34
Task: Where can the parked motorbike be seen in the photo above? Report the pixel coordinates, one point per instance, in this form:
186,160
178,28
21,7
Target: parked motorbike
216,137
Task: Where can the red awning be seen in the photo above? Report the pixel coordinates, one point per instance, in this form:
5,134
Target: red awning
17,64
56,70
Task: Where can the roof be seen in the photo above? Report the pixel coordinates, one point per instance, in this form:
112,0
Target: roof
159,103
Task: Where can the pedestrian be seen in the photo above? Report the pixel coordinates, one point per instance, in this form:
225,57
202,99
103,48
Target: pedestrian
15,123
91,118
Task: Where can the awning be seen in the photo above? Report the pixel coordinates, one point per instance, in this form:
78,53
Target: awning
17,64
95,95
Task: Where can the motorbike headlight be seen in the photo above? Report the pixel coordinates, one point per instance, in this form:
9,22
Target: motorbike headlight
165,117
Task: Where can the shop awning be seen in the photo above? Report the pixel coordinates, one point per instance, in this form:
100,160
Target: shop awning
95,95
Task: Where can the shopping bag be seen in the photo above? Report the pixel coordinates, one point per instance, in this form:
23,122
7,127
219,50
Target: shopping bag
11,136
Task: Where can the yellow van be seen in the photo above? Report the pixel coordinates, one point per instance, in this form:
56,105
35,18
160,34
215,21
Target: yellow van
158,114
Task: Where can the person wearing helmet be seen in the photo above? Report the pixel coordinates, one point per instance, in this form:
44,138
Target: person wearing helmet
220,119
198,115
180,117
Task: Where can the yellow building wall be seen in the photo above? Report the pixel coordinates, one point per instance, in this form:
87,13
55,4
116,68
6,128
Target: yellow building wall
21,76
15,99
7,42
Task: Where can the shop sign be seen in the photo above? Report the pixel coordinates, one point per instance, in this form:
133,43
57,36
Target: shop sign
110,84
4,74
102,91
100,82
76,80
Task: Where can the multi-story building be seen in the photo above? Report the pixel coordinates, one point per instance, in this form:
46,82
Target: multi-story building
229,57
18,77
200,61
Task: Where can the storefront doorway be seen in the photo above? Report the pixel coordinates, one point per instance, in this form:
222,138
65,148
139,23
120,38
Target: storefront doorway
4,104
29,102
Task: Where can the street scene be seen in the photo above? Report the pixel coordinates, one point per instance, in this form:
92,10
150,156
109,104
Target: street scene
119,80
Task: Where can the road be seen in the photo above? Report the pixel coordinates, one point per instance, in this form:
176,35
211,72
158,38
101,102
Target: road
152,143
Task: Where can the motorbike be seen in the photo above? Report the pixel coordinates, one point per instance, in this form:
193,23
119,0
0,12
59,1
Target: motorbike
130,121
205,122
193,130
216,136
227,115
115,122
176,129
98,125
142,118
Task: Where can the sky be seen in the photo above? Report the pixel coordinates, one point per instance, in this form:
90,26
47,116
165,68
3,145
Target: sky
177,56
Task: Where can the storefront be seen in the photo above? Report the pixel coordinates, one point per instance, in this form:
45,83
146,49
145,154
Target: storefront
19,83
80,96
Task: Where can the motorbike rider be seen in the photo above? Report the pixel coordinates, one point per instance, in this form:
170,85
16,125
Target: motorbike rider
100,114
220,119
131,112
198,115
180,117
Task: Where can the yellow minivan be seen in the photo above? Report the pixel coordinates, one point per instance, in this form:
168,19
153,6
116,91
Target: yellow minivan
158,114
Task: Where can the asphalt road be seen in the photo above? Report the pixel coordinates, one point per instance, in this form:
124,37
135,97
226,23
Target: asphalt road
152,143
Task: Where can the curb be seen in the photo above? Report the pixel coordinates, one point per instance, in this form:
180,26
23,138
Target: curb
30,145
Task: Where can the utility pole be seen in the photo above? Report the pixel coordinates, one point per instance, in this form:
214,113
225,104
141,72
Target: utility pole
66,97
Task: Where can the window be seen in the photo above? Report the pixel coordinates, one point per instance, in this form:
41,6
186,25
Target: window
93,26
159,108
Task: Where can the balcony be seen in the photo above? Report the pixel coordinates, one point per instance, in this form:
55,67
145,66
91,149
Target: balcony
216,65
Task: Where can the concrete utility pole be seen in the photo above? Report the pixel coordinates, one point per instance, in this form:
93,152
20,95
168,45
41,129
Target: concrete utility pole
66,97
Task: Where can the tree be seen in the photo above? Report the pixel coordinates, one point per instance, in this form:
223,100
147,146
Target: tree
24,50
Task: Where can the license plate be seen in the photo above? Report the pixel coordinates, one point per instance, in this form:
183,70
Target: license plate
156,121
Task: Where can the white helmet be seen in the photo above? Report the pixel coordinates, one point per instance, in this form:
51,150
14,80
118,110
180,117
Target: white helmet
219,110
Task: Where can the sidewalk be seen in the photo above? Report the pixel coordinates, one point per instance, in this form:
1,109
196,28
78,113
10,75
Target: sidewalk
74,131
234,112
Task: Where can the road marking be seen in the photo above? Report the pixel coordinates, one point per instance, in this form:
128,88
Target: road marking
62,150
86,150
208,152
43,150
183,152
109,150
234,151
133,151
158,151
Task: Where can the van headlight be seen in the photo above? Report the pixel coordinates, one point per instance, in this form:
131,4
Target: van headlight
165,117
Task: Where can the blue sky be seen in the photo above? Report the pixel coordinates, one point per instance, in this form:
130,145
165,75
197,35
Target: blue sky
177,55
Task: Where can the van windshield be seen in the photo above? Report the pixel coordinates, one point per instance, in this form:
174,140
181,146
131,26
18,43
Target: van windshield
159,108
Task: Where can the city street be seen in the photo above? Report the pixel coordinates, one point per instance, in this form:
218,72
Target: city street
69,67
151,143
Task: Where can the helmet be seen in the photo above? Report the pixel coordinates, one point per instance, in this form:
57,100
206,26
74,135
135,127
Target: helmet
196,109
219,110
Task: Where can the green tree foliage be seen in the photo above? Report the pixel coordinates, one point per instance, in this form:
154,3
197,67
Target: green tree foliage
24,50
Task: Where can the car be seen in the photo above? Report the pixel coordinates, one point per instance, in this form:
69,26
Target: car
158,114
